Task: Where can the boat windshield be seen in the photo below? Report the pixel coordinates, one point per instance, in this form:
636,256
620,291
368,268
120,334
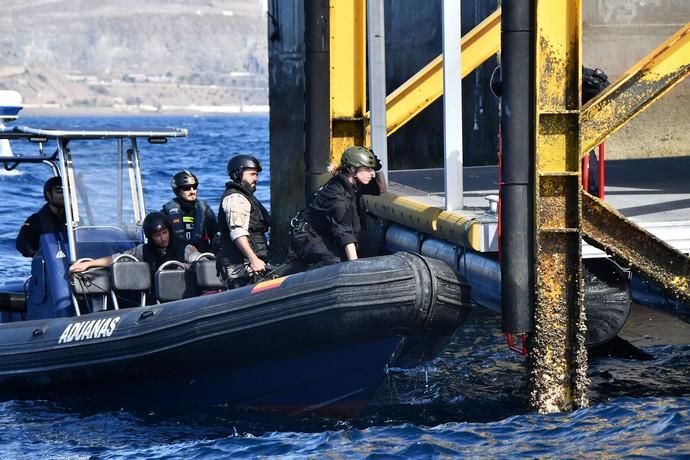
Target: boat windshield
103,197
101,174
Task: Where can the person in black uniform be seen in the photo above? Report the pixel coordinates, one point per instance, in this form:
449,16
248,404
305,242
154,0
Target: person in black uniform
242,223
192,219
327,230
161,246
49,219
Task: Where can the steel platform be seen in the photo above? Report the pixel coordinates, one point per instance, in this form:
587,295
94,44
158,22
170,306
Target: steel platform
652,192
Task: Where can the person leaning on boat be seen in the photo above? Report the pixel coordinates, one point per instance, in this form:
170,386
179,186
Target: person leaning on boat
161,246
327,230
49,219
192,219
243,222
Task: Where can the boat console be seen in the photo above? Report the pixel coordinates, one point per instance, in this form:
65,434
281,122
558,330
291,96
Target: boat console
104,209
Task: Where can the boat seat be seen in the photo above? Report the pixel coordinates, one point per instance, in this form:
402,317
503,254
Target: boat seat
91,289
128,275
206,273
172,281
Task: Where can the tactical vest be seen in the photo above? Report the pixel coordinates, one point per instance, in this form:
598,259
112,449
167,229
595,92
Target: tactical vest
259,223
173,209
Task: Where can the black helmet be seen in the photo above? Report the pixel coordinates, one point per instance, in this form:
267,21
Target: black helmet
155,222
239,163
358,156
51,183
183,178
593,82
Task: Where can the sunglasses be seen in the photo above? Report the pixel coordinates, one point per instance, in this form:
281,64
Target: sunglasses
187,188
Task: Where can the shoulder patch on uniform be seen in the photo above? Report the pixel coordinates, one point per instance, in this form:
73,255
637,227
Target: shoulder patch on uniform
238,208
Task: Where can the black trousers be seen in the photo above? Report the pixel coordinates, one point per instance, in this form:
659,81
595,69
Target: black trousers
312,250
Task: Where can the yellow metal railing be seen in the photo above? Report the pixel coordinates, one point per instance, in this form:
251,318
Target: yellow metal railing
426,86
636,90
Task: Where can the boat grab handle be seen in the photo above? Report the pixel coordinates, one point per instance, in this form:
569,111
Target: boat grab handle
170,264
129,257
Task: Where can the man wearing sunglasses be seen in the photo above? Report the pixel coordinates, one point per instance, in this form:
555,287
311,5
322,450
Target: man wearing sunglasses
193,221
49,219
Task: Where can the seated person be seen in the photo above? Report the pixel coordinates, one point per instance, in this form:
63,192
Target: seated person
161,246
49,219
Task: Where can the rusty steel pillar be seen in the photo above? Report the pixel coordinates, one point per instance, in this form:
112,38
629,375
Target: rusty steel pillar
558,357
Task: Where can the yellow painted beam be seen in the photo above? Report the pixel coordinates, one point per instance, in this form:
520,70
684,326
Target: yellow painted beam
348,81
460,229
558,357
451,226
404,210
603,226
636,90
607,229
426,86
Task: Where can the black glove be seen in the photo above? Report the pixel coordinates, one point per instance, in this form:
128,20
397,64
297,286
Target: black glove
377,165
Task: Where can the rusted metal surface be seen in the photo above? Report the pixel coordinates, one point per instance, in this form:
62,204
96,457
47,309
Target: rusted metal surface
345,132
558,359
610,231
636,90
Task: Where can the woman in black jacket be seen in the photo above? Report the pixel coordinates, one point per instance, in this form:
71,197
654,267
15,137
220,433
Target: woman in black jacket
327,230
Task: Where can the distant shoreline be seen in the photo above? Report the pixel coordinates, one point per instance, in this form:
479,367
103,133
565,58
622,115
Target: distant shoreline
134,111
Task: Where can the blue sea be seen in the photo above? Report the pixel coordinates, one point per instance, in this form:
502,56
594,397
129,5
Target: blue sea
470,402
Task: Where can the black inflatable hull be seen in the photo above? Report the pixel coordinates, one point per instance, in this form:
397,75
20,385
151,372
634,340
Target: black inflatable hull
317,341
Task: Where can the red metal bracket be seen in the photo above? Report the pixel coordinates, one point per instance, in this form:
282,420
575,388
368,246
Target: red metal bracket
511,344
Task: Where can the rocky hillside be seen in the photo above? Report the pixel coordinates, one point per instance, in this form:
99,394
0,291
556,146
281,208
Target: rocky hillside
170,55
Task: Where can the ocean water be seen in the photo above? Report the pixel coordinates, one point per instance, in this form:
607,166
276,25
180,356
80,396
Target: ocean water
470,402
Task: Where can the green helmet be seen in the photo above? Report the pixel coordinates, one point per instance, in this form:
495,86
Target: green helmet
360,157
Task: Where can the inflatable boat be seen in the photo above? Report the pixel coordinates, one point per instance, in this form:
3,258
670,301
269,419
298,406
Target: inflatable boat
318,340
118,338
